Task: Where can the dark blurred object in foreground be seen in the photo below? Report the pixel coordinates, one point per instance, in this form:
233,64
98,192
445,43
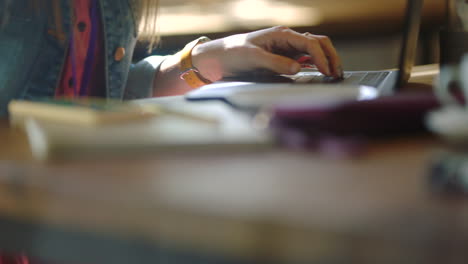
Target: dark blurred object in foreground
349,123
449,173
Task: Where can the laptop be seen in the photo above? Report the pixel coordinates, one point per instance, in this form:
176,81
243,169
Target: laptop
256,90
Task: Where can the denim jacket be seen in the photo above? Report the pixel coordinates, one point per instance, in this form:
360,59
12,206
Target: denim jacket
32,55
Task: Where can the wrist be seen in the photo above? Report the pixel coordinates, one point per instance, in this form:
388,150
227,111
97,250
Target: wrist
204,58
188,71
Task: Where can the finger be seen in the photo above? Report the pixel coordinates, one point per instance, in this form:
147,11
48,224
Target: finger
319,58
330,51
276,63
310,45
287,40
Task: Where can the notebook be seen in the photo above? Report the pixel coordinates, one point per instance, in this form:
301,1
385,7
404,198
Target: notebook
178,128
257,90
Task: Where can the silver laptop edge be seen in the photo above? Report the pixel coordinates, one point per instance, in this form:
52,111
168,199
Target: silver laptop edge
397,79
410,41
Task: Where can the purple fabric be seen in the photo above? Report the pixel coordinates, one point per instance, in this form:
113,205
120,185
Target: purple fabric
343,129
91,50
90,59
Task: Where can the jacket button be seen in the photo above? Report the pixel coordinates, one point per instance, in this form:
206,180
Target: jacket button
119,54
81,26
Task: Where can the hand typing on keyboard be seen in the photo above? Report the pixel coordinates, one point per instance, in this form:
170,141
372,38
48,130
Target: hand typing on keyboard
306,64
275,49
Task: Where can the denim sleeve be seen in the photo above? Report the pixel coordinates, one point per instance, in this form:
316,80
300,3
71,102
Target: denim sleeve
141,77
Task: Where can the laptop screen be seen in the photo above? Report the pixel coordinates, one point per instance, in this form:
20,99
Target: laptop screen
411,28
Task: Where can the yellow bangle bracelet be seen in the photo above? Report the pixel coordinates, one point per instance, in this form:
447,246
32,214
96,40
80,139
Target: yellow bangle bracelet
189,73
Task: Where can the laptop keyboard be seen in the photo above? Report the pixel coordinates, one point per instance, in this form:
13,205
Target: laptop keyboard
373,79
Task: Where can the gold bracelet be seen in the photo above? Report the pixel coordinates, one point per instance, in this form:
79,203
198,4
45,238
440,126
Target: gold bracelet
189,73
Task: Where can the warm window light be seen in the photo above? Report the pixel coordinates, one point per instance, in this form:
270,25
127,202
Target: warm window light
223,16
184,23
264,12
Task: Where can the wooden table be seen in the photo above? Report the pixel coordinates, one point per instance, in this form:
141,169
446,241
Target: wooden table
274,206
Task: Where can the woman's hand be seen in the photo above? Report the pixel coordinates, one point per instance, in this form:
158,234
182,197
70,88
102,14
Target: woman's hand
272,49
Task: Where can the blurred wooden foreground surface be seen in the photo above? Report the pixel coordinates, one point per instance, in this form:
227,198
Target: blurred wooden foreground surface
275,206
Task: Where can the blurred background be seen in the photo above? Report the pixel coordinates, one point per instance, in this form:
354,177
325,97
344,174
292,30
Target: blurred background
367,33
